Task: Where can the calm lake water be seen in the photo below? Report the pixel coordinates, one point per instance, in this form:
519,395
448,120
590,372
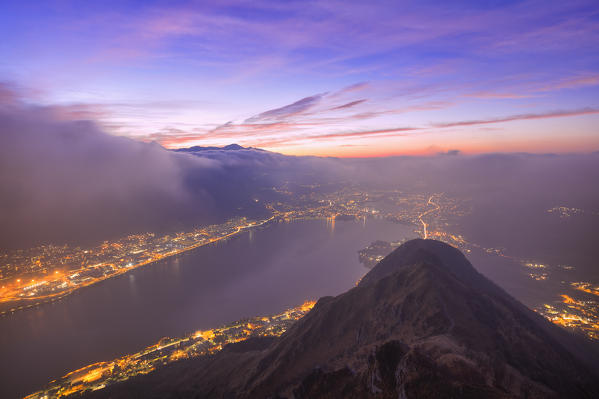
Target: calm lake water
259,272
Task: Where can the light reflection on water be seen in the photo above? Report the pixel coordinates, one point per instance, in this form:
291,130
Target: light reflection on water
262,272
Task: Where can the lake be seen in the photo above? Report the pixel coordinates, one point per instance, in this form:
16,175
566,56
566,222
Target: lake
258,272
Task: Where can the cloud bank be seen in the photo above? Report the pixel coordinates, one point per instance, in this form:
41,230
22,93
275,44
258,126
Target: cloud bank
66,180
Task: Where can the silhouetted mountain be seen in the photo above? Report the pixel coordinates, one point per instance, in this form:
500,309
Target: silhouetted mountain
230,147
423,323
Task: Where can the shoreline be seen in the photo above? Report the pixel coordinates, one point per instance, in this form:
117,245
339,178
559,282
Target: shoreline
14,307
24,304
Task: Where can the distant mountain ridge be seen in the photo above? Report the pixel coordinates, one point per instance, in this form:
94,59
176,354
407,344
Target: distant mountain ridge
423,323
230,147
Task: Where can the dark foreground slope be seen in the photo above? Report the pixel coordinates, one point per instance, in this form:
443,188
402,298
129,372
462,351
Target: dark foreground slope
422,324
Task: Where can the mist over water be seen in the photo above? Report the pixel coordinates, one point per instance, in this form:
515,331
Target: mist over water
170,167
65,181
257,273
68,181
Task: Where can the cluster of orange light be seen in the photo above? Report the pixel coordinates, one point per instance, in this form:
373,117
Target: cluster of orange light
11,293
579,315
98,375
586,287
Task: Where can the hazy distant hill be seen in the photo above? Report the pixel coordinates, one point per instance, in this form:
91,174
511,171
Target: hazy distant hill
423,323
230,147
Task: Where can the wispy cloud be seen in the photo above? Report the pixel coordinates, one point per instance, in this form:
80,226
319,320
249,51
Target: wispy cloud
356,87
553,114
572,83
349,104
490,95
397,131
414,64
287,111
338,138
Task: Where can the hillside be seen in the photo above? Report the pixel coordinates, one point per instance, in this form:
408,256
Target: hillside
423,323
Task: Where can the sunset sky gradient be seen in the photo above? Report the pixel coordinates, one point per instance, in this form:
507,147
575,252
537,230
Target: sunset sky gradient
335,78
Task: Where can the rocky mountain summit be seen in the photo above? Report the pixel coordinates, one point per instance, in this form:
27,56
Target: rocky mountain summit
423,323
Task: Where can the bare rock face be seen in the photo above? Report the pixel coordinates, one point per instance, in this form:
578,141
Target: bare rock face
423,323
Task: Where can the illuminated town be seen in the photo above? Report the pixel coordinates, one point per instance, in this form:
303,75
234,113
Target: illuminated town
99,375
31,277
565,212
579,314
47,273
62,270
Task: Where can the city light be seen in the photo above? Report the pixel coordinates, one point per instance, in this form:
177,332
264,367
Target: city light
168,350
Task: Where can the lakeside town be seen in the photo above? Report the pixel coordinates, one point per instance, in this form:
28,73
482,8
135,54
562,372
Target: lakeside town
168,350
31,277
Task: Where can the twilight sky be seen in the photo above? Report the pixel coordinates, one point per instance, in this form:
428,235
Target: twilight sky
341,78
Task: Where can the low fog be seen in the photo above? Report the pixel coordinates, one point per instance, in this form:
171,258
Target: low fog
65,181
508,196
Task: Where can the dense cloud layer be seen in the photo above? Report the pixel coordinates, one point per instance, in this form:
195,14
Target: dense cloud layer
508,197
63,180
547,177
67,181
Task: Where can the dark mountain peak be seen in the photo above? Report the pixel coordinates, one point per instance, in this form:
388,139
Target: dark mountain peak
423,323
233,147
419,251
426,319
230,147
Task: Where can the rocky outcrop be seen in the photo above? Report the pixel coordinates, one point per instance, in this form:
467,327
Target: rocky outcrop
423,323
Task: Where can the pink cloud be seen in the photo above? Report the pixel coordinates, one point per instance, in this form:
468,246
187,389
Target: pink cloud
571,83
554,114
496,95
348,105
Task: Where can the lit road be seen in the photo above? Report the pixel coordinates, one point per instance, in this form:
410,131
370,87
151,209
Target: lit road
420,217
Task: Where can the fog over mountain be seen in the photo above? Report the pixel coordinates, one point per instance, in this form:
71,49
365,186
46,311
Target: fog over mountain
66,180
299,199
509,196
59,178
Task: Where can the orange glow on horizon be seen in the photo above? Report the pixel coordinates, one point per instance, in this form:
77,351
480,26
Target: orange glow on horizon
535,136
381,149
